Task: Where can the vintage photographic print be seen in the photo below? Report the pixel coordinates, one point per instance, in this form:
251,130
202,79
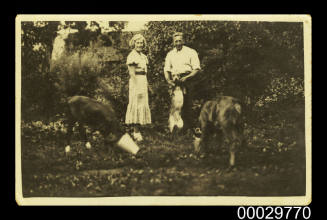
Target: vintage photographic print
163,110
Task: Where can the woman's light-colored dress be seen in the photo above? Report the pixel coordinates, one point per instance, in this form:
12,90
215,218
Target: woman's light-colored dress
138,111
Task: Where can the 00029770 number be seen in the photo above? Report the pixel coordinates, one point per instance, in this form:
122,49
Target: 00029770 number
273,213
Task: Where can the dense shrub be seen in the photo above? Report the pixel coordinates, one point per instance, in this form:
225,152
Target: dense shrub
259,62
38,92
241,59
77,73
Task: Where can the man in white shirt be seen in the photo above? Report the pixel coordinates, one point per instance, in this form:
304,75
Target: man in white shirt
184,63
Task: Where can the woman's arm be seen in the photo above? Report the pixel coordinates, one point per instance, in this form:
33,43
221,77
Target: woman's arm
131,70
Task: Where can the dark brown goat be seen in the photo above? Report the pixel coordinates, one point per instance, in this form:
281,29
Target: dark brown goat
96,115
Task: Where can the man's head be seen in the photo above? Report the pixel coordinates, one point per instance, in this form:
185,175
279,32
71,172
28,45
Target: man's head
178,40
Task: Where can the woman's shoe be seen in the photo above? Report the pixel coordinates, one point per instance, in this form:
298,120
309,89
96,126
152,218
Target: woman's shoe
137,136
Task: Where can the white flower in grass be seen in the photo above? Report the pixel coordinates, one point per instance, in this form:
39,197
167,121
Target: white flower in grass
88,145
280,144
67,149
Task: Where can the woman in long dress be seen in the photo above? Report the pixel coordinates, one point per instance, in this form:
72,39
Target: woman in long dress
138,111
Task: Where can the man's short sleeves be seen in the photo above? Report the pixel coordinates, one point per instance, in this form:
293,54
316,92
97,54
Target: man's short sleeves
195,62
168,65
182,61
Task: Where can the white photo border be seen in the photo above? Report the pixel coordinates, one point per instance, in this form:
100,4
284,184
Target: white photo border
171,200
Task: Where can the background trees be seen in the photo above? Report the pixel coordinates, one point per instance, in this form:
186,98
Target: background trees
75,72
259,62
37,82
254,61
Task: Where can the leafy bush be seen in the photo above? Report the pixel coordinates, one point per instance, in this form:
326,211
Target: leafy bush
241,59
259,62
113,87
77,73
38,92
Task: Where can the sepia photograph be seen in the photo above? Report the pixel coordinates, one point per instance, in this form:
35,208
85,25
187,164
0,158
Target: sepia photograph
163,110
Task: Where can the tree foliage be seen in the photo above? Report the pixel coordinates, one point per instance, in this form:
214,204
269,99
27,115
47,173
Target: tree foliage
75,73
37,81
259,62
240,59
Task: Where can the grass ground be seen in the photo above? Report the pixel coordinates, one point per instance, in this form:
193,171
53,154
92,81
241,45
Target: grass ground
271,165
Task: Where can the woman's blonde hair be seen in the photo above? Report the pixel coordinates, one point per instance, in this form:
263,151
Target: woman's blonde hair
135,38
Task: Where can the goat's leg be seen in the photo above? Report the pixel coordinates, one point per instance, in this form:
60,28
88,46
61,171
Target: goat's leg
241,136
232,155
82,132
70,125
187,112
174,133
219,137
204,140
233,138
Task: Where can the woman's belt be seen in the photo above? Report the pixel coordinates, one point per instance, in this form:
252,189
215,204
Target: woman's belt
140,73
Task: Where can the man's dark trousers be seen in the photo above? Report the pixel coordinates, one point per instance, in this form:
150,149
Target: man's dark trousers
198,84
187,112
